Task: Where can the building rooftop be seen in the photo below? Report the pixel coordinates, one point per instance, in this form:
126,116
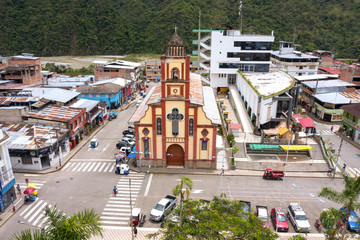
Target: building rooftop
85,103
53,94
353,109
55,113
31,136
316,77
333,98
330,70
293,55
107,88
122,64
327,84
119,81
9,100
210,106
269,83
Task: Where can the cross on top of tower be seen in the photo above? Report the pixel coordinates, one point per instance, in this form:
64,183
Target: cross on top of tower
176,28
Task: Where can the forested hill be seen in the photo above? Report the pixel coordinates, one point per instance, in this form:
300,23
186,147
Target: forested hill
87,27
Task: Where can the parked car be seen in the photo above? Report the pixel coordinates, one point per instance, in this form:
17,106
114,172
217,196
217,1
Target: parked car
262,213
121,144
298,218
138,103
131,127
94,143
126,150
130,141
279,219
129,136
353,225
162,208
129,131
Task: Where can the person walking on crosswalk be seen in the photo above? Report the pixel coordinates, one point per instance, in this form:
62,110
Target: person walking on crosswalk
115,190
18,188
332,128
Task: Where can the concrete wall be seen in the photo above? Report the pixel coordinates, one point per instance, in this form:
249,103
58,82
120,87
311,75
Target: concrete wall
12,114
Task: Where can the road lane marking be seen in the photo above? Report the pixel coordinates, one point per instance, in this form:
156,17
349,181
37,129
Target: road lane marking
115,223
118,205
91,167
23,212
37,212
81,167
31,175
33,209
112,167
114,218
106,147
117,210
116,214
92,160
108,165
67,165
86,167
102,166
148,185
77,165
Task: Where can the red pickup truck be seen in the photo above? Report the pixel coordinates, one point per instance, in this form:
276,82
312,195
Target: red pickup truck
274,175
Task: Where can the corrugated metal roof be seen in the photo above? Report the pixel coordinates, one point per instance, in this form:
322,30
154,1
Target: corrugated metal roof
54,94
328,83
56,113
352,95
333,98
30,136
119,81
210,106
85,103
9,100
108,88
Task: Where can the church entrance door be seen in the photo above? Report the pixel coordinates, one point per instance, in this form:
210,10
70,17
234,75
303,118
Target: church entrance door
175,155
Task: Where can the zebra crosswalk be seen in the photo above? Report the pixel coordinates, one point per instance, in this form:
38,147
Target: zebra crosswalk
117,211
34,213
90,166
355,171
327,132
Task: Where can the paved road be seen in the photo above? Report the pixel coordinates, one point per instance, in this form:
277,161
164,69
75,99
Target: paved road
350,155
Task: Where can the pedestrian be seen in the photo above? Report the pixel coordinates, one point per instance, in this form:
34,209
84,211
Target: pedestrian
332,128
329,171
344,166
46,209
18,188
115,190
135,231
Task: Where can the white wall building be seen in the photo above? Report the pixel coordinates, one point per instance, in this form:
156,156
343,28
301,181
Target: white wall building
294,62
36,147
7,179
230,51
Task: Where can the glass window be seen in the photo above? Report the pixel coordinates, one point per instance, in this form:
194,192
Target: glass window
26,160
158,126
191,127
203,145
146,148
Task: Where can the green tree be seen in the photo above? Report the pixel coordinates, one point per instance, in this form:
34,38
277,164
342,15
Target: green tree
330,219
82,225
218,219
348,197
297,237
179,190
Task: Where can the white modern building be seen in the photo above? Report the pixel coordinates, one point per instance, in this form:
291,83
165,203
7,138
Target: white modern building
7,179
261,93
294,62
224,52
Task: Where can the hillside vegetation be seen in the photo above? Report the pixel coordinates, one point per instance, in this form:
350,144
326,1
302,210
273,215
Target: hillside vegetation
89,27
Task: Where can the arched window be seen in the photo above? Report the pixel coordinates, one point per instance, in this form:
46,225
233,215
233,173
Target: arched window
191,127
158,126
175,73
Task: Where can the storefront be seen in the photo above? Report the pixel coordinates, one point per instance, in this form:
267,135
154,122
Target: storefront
7,194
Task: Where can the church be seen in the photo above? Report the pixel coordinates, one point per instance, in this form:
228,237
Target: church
176,124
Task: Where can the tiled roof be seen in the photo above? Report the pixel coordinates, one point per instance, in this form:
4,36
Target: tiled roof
353,109
56,113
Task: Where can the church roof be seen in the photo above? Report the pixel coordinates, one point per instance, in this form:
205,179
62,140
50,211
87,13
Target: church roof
199,95
176,41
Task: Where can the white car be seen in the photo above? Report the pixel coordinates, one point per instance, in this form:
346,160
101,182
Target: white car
298,218
130,141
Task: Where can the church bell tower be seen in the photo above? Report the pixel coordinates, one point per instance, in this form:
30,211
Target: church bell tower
175,70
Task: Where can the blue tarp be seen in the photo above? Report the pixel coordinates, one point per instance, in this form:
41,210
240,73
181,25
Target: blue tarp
132,154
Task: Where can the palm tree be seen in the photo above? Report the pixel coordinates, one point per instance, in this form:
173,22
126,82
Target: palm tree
82,225
179,190
348,197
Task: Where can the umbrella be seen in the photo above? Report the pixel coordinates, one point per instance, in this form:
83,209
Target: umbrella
33,185
29,190
120,155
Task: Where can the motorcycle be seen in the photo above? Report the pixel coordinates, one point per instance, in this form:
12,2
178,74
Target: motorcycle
318,225
138,218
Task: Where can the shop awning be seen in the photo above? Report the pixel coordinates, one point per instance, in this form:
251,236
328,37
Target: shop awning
264,146
306,122
132,154
283,130
295,147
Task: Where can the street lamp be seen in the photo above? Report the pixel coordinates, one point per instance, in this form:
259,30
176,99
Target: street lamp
40,228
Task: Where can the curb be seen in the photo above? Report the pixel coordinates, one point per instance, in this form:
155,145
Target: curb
3,222
73,153
340,135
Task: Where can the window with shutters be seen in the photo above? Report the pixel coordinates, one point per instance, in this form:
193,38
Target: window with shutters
158,126
191,127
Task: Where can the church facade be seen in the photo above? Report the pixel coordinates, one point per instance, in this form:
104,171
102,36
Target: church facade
177,123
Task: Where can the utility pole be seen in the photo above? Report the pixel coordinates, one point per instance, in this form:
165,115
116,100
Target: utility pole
240,16
131,223
199,35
